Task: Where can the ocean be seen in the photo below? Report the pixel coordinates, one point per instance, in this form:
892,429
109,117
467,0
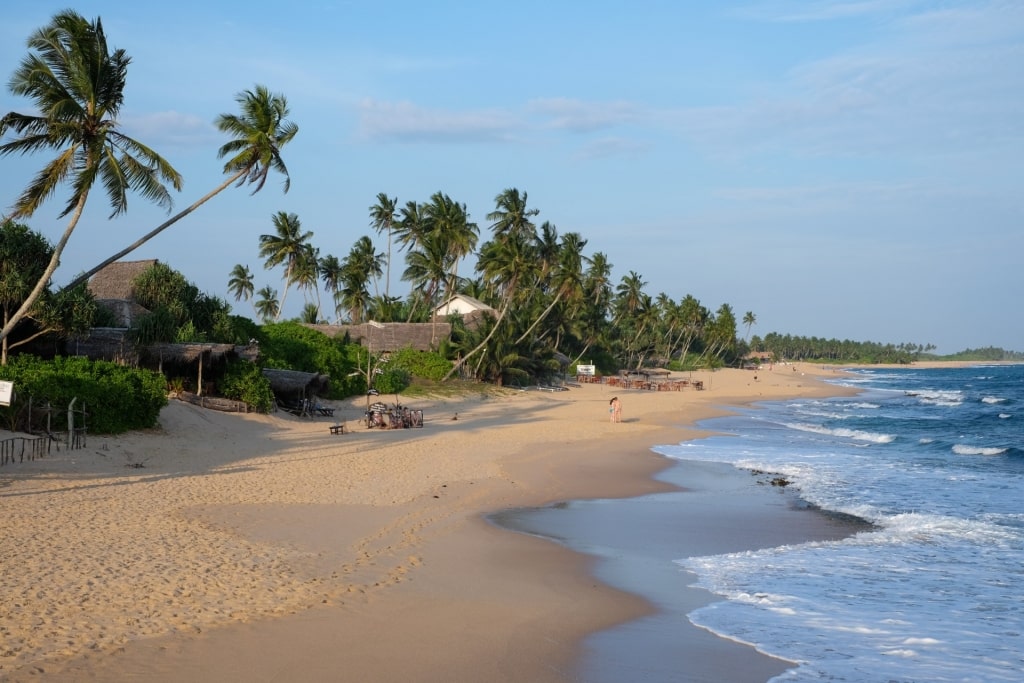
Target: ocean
934,458
930,590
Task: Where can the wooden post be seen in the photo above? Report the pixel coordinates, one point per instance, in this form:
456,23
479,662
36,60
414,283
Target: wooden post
71,421
199,382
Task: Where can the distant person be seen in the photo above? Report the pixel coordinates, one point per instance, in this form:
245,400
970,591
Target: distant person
615,410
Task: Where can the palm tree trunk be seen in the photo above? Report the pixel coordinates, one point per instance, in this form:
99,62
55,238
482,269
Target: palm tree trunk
37,291
501,315
156,231
543,315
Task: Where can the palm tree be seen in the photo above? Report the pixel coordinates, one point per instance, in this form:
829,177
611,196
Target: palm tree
306,273
77,85
330,273
567,277
503,263
286,247
382,217
749,319
455,234
258,134
511,217
310,313
240,283
266,304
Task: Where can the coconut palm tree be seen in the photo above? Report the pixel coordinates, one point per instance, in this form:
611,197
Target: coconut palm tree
330,273
267,307
565,275
240,282
77,85
749,319
455,234
504,263
511,217
287,246
306,274
258,134
382,218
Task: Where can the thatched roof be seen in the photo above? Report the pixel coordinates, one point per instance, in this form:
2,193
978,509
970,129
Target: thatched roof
115,281
295,382
390,336
113,289
188,352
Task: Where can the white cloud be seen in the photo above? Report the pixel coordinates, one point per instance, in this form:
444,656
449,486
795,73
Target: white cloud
405,121
584,117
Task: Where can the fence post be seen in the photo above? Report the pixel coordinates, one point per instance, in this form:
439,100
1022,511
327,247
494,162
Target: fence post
71,421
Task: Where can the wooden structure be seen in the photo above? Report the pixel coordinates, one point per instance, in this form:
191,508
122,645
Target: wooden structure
114,289
293,383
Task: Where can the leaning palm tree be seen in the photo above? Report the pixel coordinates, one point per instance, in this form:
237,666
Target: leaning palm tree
287,246
749,319
240,282
258,134
77,86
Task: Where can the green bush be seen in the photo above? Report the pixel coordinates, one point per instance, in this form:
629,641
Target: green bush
244,381
116,398
392,380
425,364
291,346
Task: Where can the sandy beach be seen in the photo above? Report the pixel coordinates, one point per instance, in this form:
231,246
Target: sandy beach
226,547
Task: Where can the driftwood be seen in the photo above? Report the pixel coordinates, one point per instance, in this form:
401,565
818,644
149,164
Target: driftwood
226,405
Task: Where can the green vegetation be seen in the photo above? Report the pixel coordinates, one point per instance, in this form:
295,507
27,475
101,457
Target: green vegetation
986,354
244,381
116,398
291,346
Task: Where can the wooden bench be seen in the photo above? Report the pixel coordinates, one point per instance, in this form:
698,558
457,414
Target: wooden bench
337,429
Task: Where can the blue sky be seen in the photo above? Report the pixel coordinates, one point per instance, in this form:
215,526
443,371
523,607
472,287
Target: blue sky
841,168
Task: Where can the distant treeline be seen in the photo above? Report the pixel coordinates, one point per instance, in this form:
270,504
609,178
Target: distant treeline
793,348
989,353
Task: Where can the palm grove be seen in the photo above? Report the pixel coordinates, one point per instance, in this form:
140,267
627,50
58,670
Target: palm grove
550,299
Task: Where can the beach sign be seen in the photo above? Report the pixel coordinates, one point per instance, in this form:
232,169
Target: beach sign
589,370
6,393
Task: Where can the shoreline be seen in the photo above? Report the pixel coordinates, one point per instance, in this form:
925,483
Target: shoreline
381,560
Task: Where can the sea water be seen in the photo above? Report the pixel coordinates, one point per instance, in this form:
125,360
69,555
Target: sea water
934,592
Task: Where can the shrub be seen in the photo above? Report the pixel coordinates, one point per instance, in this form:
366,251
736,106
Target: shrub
244,381
425,364
291,346
392,380
116,398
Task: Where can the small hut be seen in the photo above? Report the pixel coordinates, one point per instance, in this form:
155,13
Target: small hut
296,385
186,355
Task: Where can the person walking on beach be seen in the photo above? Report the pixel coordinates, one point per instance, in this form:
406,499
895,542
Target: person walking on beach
615,410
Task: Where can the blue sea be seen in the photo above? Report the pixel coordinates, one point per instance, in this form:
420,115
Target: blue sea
934,592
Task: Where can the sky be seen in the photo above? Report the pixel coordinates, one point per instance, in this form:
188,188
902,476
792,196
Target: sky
844,169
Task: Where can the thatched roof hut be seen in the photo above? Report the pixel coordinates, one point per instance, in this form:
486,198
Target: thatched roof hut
188,354
384,337
113,287
295,383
